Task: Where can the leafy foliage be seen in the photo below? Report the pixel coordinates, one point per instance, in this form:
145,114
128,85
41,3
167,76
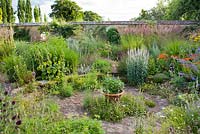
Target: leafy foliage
66,10
181,119
21,34
102,66
112,85
10,119
36,14
15,68
113,36
91,16
99,108
28,11
82,83
21,10
52,60
137,66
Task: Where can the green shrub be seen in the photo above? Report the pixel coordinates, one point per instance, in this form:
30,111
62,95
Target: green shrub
128,105
152,67
132,42
154,51
160,78
52,60
65,31
76,126
184,99
66,90
154,89
102,66
16,69
81,83
100,32
122,67
41,115
6,48
179,82
181,119
116,52
112,85
113,36
137,66
150,103
21,34
178,47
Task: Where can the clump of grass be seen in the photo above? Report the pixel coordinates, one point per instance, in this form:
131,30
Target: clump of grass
100,108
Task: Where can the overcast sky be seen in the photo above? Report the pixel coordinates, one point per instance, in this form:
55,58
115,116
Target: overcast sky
108,9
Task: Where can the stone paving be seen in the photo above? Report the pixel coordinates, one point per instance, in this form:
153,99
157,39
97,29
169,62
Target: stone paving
73,106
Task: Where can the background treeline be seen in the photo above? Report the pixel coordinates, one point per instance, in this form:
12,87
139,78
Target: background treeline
172,10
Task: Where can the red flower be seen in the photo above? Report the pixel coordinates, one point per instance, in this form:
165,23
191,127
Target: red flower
162,56
188,59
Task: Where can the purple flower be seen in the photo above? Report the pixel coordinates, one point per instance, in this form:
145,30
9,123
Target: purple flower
181,74
6,93
19,122
4,105
14,117
193,78
13,102
198,50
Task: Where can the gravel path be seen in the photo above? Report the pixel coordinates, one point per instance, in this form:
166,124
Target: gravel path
73,106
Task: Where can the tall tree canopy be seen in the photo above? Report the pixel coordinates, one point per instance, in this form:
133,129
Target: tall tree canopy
173,10
36,14
4,11
66,10
21,11
156,13
45,18
91,16
1,15
184,10
7,11
40,14
28,12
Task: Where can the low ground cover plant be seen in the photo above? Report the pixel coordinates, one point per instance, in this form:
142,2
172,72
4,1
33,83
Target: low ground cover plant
41,114
128,105
181,119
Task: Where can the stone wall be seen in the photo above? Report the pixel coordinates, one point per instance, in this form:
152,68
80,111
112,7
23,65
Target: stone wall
6,33
124,27
150,29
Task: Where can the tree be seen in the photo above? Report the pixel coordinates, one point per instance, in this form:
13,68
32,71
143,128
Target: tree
21,11
156,13
173,10
184,10
4,10
36,14
1,15
28,12
66,10
40,14
91,16
12,15
10,12
45,18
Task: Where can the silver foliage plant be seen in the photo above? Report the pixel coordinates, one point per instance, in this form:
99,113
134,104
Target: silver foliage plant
137,65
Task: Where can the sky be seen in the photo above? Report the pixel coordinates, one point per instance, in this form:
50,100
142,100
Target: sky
115,10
